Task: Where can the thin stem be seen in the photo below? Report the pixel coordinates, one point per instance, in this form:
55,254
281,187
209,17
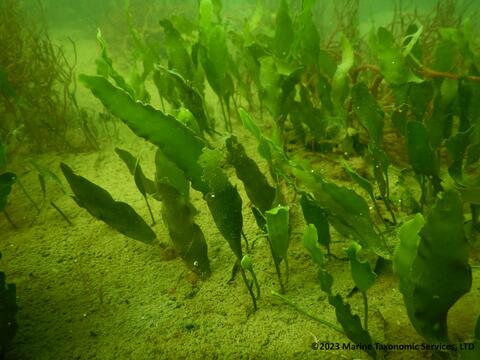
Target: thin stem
423,189
433,74
386,200
261,108
227,127
61,213
150,210
355,72
252,295
382,238
257,238
287,270
279,273
162,102
27,195
229,117
427,72
9,219
255,281
304,312
365,309
235,105
246,241
377,209
376,83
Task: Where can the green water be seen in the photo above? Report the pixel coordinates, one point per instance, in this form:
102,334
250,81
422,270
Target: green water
91,13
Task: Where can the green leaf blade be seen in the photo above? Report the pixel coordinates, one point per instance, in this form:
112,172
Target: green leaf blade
362,273
284,33
422,157
187,237
317,216
340,81
100,204
144,185
368,112
310,242
278,231
404,256
351,324
223,200
441,270
178,142
392,63
256,185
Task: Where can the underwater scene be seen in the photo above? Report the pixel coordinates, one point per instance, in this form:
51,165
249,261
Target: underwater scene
239,179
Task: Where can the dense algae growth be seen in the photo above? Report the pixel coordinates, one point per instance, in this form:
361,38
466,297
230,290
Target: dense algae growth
239,179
